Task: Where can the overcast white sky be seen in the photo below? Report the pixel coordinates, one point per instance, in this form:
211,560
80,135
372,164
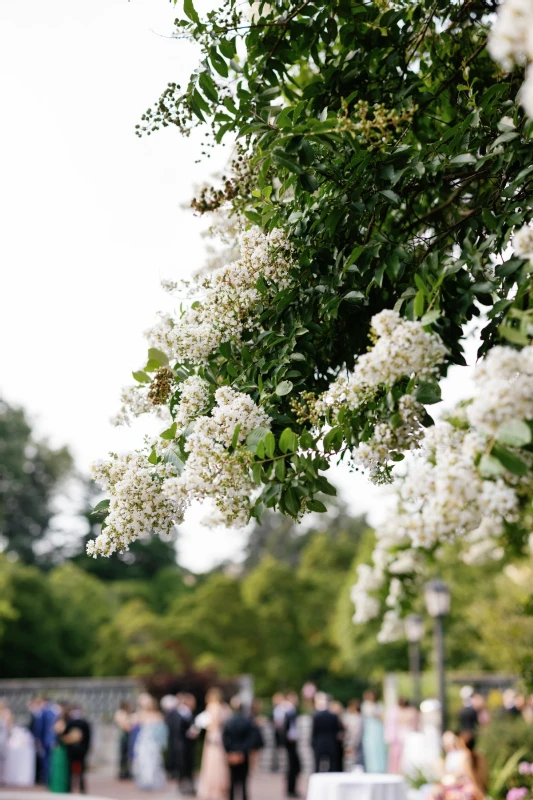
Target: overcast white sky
91,220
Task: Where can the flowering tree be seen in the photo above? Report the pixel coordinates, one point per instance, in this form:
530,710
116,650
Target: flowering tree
381,193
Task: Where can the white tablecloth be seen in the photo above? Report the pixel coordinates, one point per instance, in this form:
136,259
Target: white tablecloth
355,786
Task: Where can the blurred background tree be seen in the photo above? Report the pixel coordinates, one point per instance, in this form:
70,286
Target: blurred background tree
31,474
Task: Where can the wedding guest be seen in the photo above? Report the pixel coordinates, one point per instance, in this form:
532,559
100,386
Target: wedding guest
290,738
214,780
326,728
77,738
239,737
278,722
400,720
337,708
57,766
6,722
374,750
353,742
148,769
123,721
186,709
176,735
468,718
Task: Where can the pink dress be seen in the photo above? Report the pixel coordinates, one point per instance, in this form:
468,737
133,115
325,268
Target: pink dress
213,783
398,723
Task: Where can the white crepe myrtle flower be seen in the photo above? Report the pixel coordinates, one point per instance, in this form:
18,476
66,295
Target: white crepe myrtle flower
138,507
504,389
134,403
523,242
402,348
392,628
509,41
227,298
212,471
194,397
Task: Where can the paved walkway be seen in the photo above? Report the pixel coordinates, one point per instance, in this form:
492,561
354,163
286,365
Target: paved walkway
262,787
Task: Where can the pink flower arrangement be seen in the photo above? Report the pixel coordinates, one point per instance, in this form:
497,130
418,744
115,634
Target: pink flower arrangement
524,768
517,793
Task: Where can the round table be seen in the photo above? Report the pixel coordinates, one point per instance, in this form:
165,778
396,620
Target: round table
355,786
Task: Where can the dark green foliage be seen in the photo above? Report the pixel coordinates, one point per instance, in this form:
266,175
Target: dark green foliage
30,474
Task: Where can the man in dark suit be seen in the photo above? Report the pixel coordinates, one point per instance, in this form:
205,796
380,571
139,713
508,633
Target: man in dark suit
325,735
239,737
176,736
291,742
186,709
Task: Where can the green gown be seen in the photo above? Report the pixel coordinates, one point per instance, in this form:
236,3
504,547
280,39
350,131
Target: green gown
59,770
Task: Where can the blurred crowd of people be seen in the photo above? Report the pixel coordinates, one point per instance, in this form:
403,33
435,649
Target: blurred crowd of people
52,750
158,743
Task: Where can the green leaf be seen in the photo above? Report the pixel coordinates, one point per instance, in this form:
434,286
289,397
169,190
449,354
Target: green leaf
171,457
333,439
255,436
288,441
157,355
280,469
257,471
488,465
141,377
513,335
208,87
308,182
392,196
430,317
283,388
419,303
515,433
284,160
103,505
170,433
190,11
316,505
235,437
428,392
270,444
509,460
354,295
464,158
152,458
218,63
291,501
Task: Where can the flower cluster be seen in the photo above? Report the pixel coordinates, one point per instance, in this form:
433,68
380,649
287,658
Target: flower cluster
212,470
374,454
134,401
448,494
523,242
504,389
194,398
402,349
525,768
229,297
138,506
511,43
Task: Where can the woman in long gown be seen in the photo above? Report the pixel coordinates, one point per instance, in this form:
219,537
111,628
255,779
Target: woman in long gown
148,765
59,777
374,749
214,781
399,722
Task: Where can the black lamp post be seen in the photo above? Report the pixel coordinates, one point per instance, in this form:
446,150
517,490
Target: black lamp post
414,630
437,596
